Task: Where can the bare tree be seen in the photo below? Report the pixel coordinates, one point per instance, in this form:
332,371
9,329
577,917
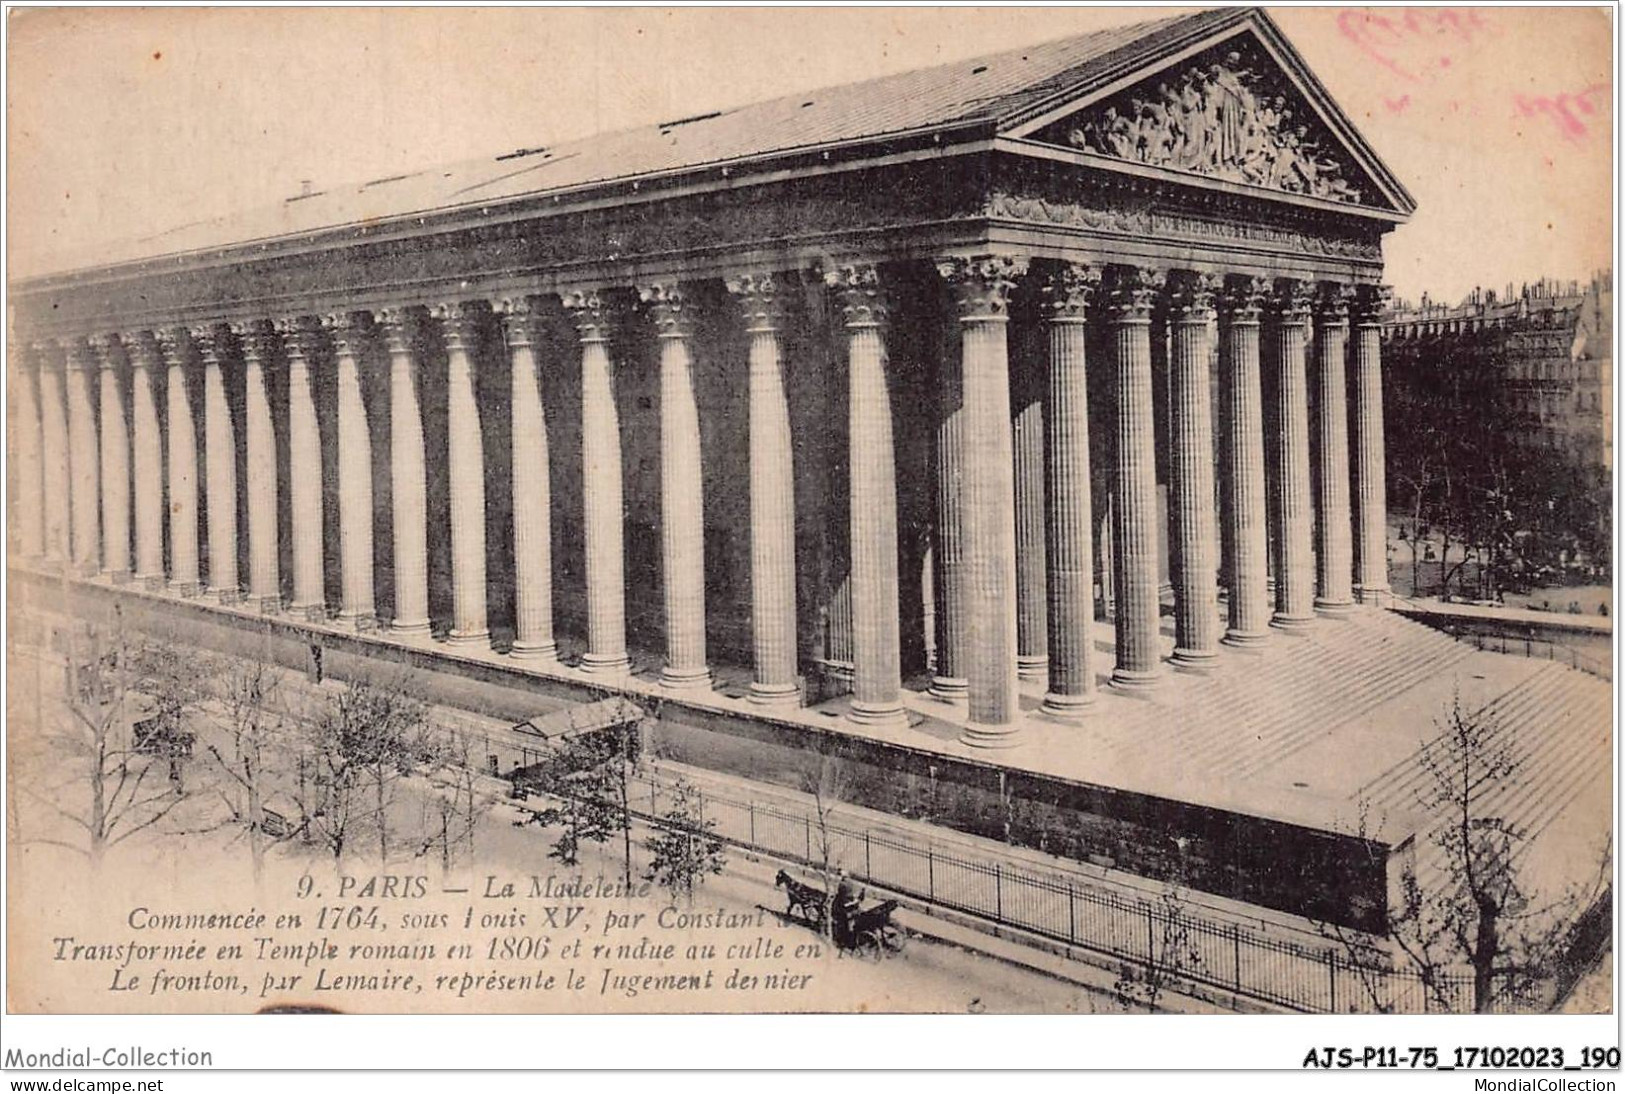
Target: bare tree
119,729
1171,954
457,802
360,744
255,729
827,787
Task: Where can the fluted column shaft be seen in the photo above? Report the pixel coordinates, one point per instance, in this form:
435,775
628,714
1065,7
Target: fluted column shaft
1066,296
602,517
220,466
115,470
1194,528
532,492
408,482
29,455
356,605
304,471
1134,509
877,672
981,288
83,458
1334,591
465,454
1371,512
1294,508
56,477
952,623
148,452
1244,495
682,511
264,579
772,497
183,489
1032,565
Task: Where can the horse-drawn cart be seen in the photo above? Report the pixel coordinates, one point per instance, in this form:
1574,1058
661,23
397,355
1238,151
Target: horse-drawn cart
851,926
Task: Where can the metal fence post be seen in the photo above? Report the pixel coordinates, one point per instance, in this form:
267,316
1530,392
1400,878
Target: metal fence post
998,895
751,806
1331,969
1150,939
1235,934
867,871
1071,914
930,875
808,820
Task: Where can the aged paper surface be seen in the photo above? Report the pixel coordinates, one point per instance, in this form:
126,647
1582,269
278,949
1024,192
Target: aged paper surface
202,817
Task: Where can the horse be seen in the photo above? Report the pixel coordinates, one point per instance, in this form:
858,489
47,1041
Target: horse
807,900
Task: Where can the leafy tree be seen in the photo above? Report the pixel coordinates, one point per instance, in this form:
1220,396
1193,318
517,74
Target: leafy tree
684,848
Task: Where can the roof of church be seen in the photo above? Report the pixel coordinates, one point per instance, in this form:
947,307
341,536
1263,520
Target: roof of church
979,96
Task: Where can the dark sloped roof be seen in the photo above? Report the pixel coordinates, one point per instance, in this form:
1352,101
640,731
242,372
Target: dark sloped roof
981,92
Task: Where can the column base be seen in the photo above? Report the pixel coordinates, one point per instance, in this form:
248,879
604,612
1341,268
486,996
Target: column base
1291,623
949,689
545,652
266,604
118,577
775,695
1066,707
611,665
981,736
1032,668
468,638
1380,595
409,628
1137,682
227,595
1200,662
312,613
153,583
890,715
675,679
362,622
1335,608
1246,640
187,589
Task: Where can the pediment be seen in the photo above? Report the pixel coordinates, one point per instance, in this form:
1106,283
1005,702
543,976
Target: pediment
1230,111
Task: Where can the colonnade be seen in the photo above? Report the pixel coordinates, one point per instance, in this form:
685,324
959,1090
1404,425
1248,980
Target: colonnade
1014,541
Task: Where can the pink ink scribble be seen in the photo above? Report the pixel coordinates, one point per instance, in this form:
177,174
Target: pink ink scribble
1399,105
1565,110
1387,38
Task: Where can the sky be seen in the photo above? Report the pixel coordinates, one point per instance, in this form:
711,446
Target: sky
124,121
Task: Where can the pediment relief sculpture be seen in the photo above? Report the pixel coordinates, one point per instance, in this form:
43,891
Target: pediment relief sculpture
1224,116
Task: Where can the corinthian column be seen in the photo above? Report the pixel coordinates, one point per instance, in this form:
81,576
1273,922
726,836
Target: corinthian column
264,581
408,482
602,517
29,457
1195,534
465,454
1131,293
1371,512
148,450
1294,510
220,466
355,473
877,672
115,471
948,681
1244,496
183,562
1334,591
1032,564
1065,297
682,505
772,496
304,470
981,288
84,497
56,476
532,492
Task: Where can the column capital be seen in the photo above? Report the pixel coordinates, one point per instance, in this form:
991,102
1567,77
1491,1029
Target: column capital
1243,297
1067,291
104,349
395,323
1291,300
668,305
347,329
515,313
1370,302
298,334
759,300
144,350
255,337
1132,291
591,313
1191,295
47,352
981,284
863,298
81,355
1332,302
206,337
